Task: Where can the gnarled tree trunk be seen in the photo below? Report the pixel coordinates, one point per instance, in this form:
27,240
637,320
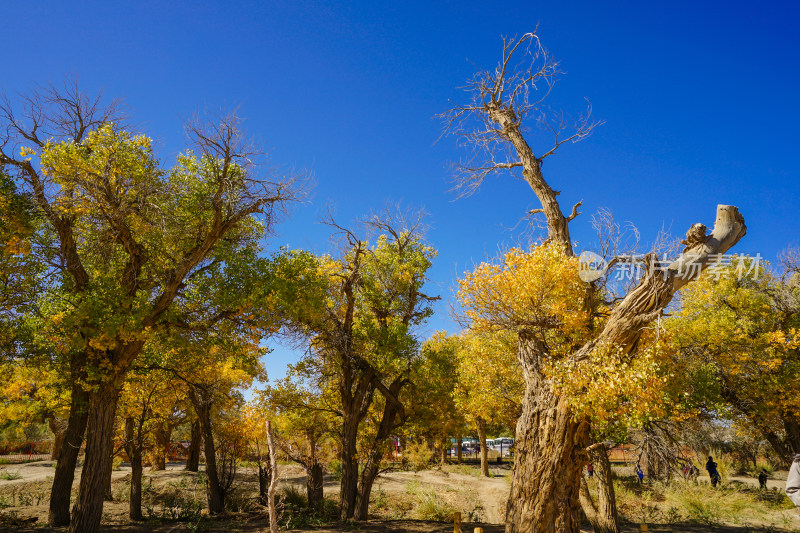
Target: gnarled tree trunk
549,454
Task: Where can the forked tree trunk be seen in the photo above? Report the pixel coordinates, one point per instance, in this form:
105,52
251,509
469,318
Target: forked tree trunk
193,460
99,445
547,471
214,492
549,453
481,423
391,409
61,491
603,514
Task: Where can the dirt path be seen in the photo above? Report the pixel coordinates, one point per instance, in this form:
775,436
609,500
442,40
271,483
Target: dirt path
45,470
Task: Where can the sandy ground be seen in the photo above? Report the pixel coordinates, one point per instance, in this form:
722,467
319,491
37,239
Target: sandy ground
44,471
489,493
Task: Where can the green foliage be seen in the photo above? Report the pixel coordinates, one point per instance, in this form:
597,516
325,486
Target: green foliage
9,476
335,469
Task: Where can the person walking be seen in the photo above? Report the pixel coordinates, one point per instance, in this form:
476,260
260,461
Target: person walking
793,481
711,466
639,473
590,469
762,479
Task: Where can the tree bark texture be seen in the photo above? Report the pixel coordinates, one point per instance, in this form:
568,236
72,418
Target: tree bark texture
214,492
57,427
264,478
314,486
162,434
273,482
64,476
546,432
481,424
193,460
133,447
549,454
386,425
349,482
107,495
603,514
99,446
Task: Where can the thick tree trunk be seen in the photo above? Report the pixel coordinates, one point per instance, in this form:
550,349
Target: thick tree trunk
133,447
368,476
549,455
68,455
349,482
391,410
481,423
459,452
603,515
314,486
99,445
193,461
443,442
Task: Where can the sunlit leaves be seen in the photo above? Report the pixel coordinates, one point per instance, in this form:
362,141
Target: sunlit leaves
537,289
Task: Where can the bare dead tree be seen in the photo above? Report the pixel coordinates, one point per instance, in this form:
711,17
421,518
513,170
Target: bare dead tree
492,126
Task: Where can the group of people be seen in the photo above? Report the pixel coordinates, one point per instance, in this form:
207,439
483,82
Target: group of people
690,471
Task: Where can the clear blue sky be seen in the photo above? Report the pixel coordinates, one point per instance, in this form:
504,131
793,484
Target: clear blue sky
700,101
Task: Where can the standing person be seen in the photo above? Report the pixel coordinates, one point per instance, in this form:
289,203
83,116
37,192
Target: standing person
638,471
687,470
793,481
590,469
711,466
762,479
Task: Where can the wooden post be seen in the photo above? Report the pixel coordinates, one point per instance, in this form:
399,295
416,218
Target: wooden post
457,522
478,530
643,528
273,482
